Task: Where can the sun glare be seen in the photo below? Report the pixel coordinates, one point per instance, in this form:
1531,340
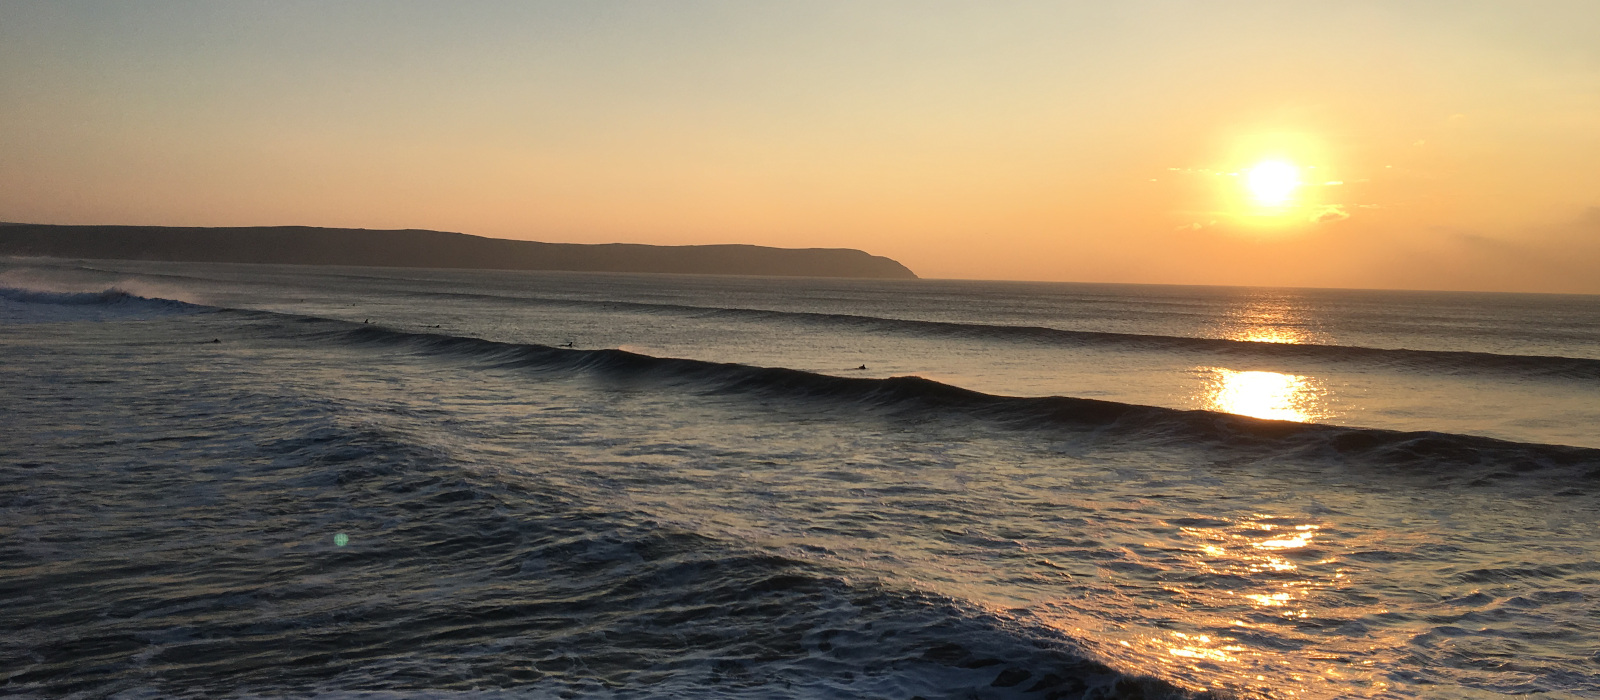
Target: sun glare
1272,395
1273,182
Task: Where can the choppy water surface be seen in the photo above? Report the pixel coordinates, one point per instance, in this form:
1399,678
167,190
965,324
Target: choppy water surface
444,501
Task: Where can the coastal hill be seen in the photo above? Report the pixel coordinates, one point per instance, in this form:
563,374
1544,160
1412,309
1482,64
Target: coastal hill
306,245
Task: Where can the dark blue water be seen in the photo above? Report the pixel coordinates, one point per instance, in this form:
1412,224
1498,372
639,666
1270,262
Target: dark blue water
245,481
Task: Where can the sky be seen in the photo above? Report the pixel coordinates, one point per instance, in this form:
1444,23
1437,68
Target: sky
1417,145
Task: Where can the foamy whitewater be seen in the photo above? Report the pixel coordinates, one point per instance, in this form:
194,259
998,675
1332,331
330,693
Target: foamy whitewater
261,481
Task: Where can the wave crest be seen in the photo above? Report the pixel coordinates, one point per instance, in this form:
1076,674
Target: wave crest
32,305
1454,457
1580,368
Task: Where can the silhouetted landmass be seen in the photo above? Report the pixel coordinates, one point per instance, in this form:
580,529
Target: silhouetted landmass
306,245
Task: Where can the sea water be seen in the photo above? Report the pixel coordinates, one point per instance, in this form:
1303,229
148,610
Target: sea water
278,480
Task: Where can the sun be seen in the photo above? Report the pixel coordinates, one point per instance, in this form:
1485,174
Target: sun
1273,183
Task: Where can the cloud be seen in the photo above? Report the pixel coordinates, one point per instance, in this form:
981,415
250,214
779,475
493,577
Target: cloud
1328,214
1196,226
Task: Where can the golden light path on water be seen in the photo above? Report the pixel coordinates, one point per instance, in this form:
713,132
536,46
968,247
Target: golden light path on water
1261,634
1273,395
1270,318
1282,577
1271,335
1258,393
1217,643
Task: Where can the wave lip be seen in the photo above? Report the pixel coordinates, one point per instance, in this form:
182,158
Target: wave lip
29,305
111,295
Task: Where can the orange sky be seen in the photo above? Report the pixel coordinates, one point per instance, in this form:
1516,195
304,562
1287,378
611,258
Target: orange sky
1046,141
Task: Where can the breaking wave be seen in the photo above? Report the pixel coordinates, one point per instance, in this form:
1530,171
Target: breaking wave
34,305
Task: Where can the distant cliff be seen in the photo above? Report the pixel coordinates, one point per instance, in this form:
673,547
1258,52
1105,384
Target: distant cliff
305,245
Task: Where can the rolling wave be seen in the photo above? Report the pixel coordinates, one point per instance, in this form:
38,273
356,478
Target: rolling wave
1453,456
1445,361
109,296
1485,459
27,305
1449,361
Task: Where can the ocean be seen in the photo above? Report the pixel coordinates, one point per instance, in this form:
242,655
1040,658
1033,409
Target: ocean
266,481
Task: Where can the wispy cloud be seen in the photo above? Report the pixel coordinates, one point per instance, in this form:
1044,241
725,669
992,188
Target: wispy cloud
1329,213
1196,226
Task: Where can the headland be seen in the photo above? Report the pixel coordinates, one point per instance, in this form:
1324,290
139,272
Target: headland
308,245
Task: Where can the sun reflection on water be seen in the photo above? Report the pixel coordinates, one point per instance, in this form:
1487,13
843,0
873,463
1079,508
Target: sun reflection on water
1280,579
1265,317
1273,395
1270,319
1287,336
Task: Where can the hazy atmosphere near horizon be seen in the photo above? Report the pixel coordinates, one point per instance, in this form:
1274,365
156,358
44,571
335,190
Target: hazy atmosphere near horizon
1415,145
799,350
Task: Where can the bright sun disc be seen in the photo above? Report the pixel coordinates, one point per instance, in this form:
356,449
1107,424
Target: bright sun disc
1273,183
